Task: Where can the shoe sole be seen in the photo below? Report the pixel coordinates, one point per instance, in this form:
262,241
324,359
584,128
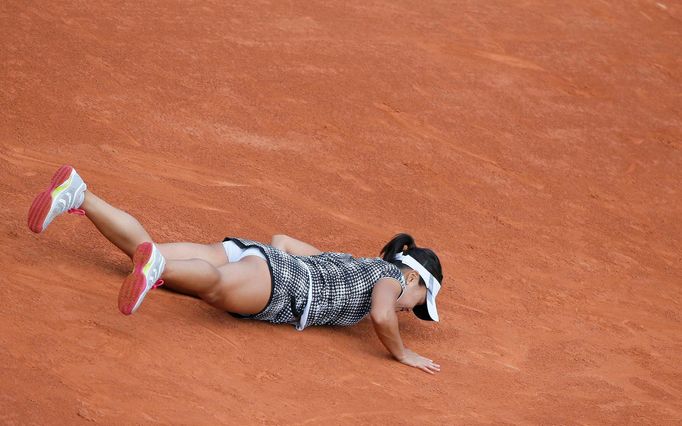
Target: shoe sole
134,287
42,204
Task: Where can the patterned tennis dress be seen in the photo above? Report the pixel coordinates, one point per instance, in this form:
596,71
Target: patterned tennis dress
330,288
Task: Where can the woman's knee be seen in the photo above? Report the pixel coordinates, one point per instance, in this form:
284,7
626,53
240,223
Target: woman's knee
216,295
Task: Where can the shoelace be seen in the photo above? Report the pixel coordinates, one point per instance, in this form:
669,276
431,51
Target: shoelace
79,212
158,283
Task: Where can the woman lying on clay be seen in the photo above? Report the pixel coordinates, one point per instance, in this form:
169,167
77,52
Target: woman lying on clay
288,281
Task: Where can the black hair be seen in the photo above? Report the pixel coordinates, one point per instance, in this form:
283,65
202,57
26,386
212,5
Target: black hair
404,243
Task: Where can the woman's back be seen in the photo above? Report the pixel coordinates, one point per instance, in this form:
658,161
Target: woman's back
342,286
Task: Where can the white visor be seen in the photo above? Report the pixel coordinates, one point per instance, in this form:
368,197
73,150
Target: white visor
432,284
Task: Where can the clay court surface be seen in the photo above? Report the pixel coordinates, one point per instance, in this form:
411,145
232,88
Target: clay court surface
536,146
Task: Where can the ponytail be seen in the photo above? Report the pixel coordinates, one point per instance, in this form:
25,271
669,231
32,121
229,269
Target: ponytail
404,243
401,243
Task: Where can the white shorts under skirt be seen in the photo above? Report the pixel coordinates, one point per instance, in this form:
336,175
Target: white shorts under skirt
236,253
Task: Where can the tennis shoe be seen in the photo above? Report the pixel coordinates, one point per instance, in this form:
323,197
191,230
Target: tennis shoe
65,194
148,265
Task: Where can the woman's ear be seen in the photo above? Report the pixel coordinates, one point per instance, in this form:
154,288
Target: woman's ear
413,276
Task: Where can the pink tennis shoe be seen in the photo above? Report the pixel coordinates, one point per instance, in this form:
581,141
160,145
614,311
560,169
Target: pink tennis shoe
65,194
148,265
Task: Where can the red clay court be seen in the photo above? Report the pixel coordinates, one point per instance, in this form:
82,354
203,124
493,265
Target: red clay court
541,140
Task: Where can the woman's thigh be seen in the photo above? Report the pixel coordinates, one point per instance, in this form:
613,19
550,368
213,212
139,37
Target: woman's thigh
211,253
245,286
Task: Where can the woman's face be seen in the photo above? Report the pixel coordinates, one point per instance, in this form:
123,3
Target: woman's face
414,293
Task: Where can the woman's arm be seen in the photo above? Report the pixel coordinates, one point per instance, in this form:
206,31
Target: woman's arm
385,321
293,246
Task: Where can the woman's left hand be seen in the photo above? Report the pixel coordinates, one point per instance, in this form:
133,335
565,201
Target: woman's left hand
413,359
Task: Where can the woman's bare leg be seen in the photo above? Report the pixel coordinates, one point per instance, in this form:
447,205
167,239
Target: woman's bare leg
202,270
123,230
242,287
126,233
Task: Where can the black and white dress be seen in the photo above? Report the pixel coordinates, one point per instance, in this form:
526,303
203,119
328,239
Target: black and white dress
324,289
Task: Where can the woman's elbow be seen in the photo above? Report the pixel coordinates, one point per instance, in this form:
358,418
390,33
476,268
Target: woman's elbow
279,241
380,317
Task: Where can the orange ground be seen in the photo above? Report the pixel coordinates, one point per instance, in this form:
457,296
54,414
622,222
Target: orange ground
535,145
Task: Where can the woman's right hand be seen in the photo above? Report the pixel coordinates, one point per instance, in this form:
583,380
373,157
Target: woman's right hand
415,360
